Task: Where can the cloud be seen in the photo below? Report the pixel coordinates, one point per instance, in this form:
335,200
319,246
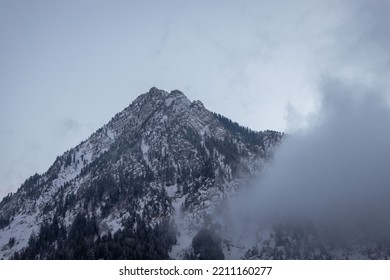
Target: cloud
164,38
336,170
334,174
358,45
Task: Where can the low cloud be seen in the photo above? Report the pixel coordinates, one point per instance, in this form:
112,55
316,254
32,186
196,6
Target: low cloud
335,173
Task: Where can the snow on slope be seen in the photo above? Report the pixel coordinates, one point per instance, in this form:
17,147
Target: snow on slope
29,218
161,137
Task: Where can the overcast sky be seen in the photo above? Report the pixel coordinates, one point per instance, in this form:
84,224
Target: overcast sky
66,67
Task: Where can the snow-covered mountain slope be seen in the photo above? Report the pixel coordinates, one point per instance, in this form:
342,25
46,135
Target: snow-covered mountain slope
146,183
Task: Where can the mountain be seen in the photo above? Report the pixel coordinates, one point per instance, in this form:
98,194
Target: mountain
150,184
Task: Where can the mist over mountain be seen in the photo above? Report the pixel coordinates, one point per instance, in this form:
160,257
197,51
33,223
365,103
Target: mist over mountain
327,192
168,179
150,184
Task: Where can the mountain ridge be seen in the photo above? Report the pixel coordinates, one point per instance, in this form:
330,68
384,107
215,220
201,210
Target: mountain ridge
163,157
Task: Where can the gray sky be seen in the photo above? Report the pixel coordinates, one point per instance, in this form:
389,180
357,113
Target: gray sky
66,67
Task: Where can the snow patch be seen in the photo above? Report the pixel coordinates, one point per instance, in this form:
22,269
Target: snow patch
144,147
171,190
185,235
21,229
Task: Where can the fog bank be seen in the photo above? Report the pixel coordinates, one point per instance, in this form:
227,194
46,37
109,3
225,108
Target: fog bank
335,173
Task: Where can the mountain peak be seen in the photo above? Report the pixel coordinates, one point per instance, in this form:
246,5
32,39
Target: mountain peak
160,92
155,90
176,92
161,159
159,96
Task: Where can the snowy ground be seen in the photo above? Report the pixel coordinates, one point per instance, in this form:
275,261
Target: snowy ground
184,237
21,229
